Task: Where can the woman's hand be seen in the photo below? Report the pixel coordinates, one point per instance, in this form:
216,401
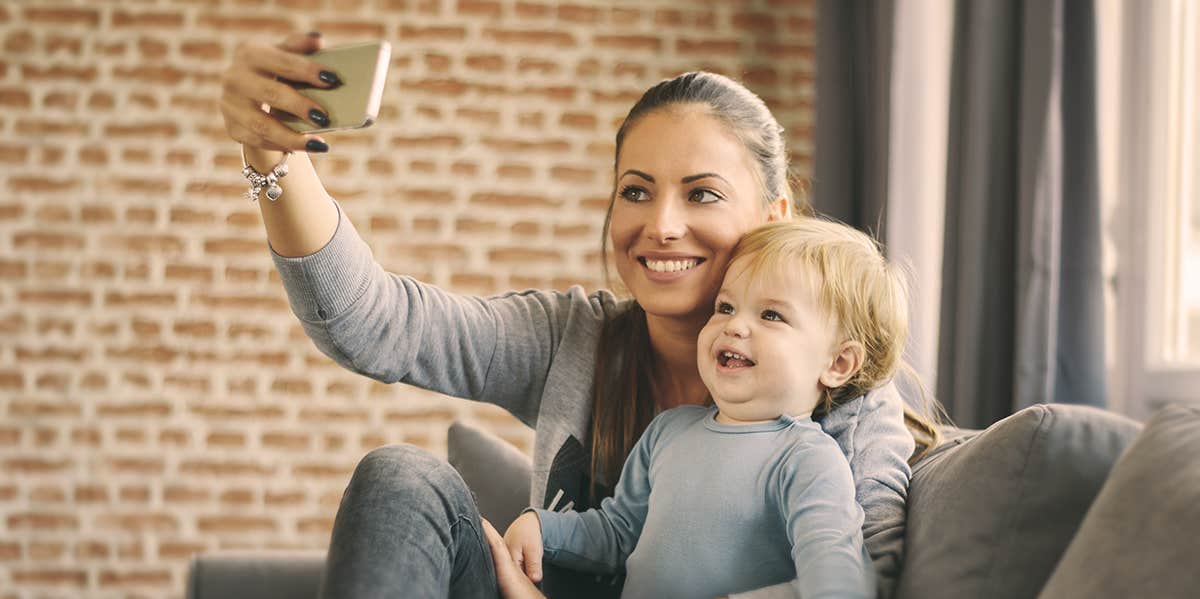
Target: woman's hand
250,84
524,540
513,583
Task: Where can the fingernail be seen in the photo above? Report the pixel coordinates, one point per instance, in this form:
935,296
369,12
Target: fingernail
318,117
330,78
316,145
314,34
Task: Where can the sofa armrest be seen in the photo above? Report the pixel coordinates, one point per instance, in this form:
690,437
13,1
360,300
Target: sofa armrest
255,575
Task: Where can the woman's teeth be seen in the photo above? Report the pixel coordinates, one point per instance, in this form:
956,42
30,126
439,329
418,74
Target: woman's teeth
671,265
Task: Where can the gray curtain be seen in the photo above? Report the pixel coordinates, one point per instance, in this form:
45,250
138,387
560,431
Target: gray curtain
1022,304
854,57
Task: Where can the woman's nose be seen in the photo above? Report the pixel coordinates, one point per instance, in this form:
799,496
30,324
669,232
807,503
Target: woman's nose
666,222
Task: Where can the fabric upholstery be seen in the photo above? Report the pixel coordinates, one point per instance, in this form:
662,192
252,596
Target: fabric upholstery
1140,537
236,574
496,472
990,514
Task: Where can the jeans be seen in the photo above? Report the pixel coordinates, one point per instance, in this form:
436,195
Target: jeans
407,527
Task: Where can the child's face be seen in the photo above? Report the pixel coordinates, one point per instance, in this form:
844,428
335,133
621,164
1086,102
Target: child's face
784,339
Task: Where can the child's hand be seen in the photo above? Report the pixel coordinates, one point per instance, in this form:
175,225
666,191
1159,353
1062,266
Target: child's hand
524,540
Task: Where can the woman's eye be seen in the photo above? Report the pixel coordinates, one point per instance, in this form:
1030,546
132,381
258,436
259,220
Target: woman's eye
703,196
634,193
724,308
772,315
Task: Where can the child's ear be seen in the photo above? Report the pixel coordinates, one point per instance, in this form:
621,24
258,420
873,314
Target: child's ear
847,359
781,209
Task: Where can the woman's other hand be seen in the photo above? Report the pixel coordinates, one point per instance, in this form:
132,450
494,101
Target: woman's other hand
251,83
513,583
524,541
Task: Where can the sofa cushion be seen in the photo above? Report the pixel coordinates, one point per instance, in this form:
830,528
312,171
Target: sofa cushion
1140,537
496,472
255,574
989,515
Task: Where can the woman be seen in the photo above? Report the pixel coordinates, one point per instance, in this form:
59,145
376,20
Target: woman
699,162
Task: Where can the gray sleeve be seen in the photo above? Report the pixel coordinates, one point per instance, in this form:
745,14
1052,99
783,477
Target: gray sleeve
393,328
824,523
871,433
600,540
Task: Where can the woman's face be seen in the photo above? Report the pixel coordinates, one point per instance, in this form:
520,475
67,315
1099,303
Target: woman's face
686,192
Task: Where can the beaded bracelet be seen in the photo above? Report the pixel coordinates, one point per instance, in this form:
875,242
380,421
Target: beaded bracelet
269,181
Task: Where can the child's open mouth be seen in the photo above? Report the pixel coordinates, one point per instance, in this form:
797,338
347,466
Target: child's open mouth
728,359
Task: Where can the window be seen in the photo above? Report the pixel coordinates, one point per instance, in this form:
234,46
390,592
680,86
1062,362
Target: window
1151,141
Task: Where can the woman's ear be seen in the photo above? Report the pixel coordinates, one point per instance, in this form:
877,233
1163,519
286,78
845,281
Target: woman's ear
781,209
847,360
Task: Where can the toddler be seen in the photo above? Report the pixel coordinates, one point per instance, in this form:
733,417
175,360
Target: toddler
750,492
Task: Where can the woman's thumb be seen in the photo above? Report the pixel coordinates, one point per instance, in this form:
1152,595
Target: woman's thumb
303,43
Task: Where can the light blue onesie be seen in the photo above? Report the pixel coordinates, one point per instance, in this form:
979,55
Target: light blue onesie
705,509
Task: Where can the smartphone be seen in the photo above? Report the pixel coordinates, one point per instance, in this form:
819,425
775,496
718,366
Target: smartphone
355,103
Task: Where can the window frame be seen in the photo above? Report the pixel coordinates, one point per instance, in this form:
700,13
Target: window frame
1142,380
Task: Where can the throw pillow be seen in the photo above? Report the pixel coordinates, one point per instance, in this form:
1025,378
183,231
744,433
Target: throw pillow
1140,537
496,472
989,516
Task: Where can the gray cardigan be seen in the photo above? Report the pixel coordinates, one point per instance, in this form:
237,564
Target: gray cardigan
533,354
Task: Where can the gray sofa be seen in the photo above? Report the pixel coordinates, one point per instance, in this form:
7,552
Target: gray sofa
1053,501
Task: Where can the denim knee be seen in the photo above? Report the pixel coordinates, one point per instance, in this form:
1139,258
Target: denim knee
410,475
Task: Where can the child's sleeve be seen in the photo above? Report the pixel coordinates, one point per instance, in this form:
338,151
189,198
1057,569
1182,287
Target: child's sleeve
816,497
600,540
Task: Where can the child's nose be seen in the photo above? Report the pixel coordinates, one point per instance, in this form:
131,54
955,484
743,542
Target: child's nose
736,327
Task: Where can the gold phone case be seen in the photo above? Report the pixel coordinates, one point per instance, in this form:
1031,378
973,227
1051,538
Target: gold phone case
354,104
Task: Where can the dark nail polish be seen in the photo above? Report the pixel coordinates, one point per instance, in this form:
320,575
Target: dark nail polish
314,34
318,117
330,78
316,145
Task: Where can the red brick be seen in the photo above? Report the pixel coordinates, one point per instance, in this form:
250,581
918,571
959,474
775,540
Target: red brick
244,23
485,8
62,16
138,522
513,200
148,19
548,37
42,521
160,577
440,32
236,524
644,43
690,47
202,49
45,575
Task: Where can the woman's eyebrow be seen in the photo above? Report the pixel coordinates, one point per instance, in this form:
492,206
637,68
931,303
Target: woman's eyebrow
685,180
639,174
691,178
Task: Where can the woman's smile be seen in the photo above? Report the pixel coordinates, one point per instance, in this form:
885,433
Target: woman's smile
666,268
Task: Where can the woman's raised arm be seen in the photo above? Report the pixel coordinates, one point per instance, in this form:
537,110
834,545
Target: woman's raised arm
304,218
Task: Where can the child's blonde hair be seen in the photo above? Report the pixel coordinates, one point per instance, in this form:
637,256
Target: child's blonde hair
864,293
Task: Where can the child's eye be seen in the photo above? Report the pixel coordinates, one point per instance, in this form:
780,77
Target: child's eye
633,193
724,308
704,196
772,315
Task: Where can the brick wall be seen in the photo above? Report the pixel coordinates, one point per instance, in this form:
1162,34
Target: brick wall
157,398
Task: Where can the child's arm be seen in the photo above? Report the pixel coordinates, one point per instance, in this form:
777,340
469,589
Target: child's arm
599,540
824,522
